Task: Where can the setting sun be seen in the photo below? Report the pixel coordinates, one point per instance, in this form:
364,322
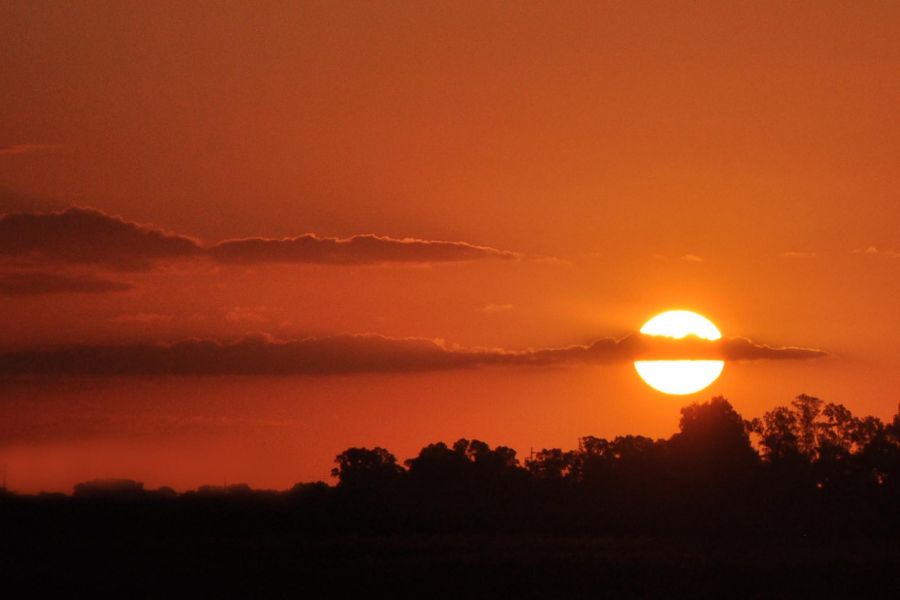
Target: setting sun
352,296
680,377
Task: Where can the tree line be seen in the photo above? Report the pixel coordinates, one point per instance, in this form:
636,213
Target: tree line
807,468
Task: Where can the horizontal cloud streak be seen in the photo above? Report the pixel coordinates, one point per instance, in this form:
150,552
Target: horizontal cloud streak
356,250
345,354
739,348
88,236
39,283
872,250
11,149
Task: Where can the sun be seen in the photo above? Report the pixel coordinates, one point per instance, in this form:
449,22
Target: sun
680,377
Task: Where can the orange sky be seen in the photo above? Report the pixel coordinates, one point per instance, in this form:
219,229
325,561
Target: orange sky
738,159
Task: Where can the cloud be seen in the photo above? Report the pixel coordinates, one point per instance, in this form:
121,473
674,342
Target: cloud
688,258
640,347
38,283
11,149
553,261
357,250
795,254
872,250
15,201
496,308
739,348
346,354
255,355
89,236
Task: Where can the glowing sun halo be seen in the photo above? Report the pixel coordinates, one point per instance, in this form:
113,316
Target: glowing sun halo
680,376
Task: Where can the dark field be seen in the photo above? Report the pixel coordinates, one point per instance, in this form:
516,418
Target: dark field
445,565
701,514
90,549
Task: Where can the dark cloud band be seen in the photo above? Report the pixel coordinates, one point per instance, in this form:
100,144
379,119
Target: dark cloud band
342,354
91,237
86,236
356,250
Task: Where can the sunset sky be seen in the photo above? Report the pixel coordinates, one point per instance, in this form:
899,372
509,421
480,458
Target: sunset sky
240,237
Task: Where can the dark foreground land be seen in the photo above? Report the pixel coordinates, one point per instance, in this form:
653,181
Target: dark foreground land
811,511
108,550
475,566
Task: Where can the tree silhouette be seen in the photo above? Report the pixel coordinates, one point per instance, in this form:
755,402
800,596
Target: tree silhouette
779,439
713,442
807,468
109,488
365,469
552,464
807,409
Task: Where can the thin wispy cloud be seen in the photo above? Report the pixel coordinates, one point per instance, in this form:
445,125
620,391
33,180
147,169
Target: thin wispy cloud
687,258
14,149
875,251
496,308
365,249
